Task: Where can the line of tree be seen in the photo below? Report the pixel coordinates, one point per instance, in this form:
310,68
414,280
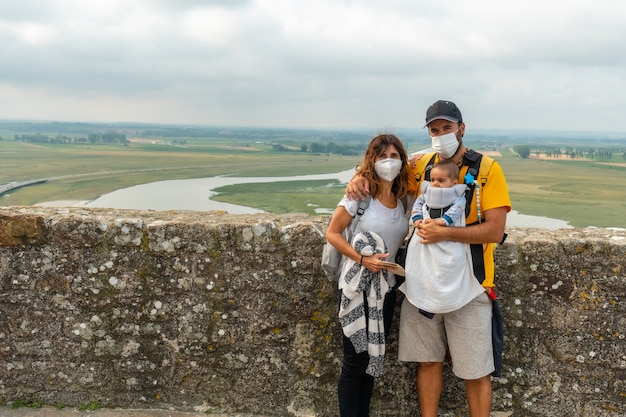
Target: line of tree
92,138
320,147
333,148
585,152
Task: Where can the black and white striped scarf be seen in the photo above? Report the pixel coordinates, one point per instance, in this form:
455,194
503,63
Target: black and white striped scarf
365,334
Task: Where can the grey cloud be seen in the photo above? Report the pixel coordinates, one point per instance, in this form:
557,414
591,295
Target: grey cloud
186,4
25,10
513,75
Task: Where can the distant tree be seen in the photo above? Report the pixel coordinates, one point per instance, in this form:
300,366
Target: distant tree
317,147
603,154
303,147
522,150
334,148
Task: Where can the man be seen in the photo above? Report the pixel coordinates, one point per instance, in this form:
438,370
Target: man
465,332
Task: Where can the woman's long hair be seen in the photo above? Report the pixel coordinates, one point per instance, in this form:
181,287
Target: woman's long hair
375,150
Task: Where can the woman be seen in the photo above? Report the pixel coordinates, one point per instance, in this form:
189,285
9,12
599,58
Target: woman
364,281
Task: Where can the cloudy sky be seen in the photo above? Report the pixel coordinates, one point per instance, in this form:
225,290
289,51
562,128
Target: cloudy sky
514,64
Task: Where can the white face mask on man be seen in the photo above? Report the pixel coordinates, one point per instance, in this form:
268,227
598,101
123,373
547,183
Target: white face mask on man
388,168
445,145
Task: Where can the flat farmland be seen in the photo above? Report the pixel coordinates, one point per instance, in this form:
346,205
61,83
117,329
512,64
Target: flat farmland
80,172
584,193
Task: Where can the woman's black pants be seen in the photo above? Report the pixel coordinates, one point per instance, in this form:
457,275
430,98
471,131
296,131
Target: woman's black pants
355,386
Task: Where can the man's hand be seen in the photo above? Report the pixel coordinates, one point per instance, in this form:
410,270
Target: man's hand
415,158
358,188
431,232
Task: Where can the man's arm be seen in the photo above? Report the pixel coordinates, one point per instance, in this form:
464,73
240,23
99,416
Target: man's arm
491,230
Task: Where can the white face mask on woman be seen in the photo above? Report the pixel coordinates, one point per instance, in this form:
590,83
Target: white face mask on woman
388,168
445,145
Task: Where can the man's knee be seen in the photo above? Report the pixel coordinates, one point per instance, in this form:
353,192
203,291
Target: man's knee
430,367
482,381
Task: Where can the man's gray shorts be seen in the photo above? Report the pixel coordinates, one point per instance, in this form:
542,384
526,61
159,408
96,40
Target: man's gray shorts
466,332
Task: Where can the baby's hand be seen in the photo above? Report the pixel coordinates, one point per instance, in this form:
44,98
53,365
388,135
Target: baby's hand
441,222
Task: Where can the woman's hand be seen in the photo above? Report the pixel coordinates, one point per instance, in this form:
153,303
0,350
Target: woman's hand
373,262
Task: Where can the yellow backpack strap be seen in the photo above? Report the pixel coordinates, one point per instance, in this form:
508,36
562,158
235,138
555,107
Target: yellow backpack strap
422,168
483,172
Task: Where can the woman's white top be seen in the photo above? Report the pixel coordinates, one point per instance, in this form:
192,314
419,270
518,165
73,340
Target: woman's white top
389,223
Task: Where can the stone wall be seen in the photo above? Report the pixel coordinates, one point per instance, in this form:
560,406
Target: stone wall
232,313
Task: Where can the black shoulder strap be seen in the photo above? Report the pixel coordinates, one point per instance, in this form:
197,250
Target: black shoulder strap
429,167
472,160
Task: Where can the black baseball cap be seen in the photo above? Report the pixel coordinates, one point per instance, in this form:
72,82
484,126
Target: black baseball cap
443,109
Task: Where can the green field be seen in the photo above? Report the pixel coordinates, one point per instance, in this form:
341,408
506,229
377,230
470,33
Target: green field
583,193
